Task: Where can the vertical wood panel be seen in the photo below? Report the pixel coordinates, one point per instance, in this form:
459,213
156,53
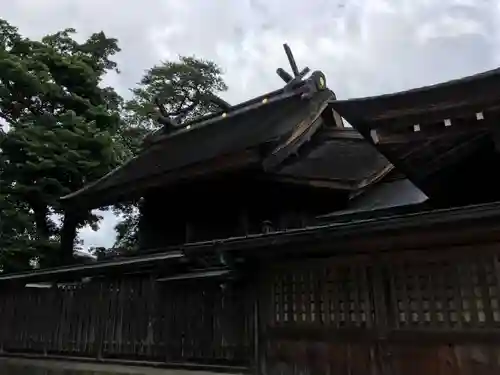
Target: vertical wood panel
343,312
432,293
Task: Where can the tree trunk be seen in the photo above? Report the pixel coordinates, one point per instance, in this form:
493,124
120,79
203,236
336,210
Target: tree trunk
41,214
68,236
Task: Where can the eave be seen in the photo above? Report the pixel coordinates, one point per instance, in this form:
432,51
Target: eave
443,137
334,158
122,264
234,140
382,230
376,232
94,196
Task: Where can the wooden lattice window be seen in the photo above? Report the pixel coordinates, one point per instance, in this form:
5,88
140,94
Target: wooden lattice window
446,294
338,296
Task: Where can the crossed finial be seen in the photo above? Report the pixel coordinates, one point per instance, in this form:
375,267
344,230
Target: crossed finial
297,76
315,82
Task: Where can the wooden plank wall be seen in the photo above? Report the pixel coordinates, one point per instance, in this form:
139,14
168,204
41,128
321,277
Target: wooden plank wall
421,312
132,318
401,313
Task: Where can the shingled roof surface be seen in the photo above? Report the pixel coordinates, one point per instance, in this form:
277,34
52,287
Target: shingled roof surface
442,137
270,121
473,92
349,162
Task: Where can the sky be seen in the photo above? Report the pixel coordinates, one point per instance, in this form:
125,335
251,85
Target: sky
365,47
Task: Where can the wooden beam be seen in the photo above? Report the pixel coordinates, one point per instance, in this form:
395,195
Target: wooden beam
366,335
452,155
93,199
319,183
108,365
203,274
334,183
407,116
93,268
329,133
445,127
429,133
301,134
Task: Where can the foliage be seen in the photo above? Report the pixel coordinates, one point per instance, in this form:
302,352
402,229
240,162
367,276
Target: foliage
186,88
66,130
63,128
17,232
126,230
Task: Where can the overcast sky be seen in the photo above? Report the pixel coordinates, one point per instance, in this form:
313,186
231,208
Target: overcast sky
365,47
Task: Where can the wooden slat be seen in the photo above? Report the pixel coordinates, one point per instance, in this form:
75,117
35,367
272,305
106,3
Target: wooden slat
458,297
482,271
470,288
337,303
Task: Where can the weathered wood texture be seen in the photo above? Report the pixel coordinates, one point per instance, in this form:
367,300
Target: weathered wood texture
132,318
405,313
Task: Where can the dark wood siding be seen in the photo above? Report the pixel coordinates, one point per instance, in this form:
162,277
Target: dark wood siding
131,318
431,311
404,313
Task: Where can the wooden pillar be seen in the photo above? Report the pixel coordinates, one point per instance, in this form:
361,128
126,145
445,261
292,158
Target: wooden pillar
69,233
101,322
383,323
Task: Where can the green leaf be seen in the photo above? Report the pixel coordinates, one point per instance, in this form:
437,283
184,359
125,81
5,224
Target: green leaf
61,134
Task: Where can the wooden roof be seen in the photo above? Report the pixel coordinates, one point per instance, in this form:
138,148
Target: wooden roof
347,230
123,264
288,136
443,137
337,158
234,140
429,103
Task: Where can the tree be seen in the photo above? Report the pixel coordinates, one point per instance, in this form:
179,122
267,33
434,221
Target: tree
17,232
186,88
62,129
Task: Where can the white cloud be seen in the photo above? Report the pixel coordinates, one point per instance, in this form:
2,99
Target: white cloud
104,236
450,27
365,47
